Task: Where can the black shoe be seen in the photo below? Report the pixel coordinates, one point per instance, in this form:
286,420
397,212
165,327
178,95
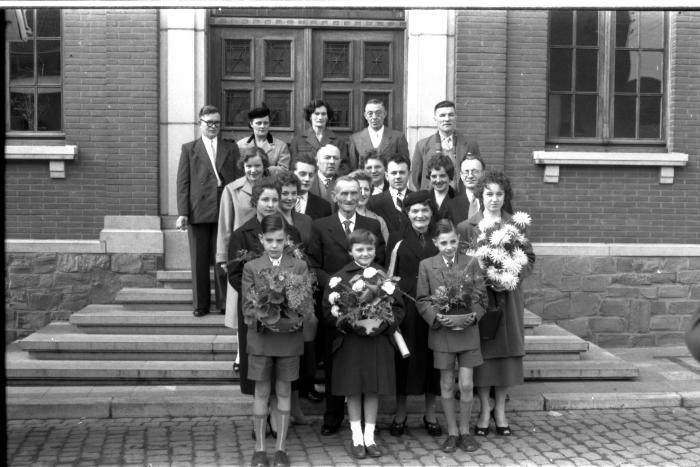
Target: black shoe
280,459
312,395
478,431
222,311
328,430
398,428
359,451
259,459
199,312
501,430
433,428
450,444
236,367
467,443
374,451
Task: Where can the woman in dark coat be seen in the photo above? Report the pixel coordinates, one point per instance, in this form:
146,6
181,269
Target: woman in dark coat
503,355
415,375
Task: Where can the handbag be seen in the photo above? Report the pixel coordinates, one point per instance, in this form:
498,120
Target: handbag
489,323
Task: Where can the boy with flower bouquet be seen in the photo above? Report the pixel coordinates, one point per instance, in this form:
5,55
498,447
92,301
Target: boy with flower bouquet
450,293
365,307
277,291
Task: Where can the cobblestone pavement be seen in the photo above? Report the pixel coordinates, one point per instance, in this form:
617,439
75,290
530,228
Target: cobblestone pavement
667,436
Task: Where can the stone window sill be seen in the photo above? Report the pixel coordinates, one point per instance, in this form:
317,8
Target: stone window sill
665,161
56,155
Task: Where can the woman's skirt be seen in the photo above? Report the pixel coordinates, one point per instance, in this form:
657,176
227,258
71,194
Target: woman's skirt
506,371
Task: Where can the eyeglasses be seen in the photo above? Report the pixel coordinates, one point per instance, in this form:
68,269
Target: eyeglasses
378,113
473,172
211,123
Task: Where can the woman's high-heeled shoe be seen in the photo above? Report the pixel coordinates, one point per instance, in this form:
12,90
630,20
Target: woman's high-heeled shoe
398,428
501,430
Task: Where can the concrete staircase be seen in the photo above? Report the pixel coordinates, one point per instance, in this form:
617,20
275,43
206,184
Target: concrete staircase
149,336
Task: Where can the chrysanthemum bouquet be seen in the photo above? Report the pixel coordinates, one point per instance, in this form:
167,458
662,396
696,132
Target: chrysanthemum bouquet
280,298
368,296
459,291
500,249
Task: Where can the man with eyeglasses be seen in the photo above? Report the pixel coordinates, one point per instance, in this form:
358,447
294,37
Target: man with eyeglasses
376,138
446,141
206,165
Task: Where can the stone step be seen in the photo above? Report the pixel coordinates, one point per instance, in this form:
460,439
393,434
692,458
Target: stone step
177,279
131,295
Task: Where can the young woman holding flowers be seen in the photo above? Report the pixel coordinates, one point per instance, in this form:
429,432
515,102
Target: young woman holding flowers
277,297
506,257
366,308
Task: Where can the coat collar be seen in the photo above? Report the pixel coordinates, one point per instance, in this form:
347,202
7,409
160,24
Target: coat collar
241,182
251,139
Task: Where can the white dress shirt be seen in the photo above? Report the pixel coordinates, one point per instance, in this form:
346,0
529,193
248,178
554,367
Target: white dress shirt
395,193
211,145
352,220
302,201
376,136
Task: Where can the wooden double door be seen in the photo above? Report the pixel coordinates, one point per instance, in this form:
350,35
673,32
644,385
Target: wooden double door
286,67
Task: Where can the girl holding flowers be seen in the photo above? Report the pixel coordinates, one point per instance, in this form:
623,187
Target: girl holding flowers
498,240
365,307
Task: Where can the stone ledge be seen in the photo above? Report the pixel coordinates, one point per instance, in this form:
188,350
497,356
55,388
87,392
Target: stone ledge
690,399
54,246
55,154
616,249
605,400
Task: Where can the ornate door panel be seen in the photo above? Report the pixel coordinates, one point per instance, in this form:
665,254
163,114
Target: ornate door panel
254,65
351,67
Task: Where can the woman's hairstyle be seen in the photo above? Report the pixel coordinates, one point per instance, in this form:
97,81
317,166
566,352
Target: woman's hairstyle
443,226
285,177
497,177
360,174
273,223
260,186
250,153
361,236
424,197
315,104
259,112
437,161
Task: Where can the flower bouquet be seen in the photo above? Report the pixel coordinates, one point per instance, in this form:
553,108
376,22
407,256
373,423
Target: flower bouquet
365,302
280,299
459,291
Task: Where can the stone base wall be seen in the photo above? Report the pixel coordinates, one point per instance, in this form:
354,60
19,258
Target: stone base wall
617,301
43,287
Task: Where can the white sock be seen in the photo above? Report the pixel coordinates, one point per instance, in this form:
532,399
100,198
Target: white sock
369,434
356,428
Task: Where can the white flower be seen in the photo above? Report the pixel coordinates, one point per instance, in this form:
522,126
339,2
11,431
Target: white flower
492,273
498,237
369,273
333,282
482,252
481,237
521,219
510,265
335,310
358,286
509,280
498,255
485,224
333,297
388,287
519,256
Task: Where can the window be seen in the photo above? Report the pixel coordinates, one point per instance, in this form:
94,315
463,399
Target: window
606,80
34,80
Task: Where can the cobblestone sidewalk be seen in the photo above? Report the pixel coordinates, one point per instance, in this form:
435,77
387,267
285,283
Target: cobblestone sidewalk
664,436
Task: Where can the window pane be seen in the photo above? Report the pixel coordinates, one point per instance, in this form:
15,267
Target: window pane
650,117
278,58
585,116
336,60
237,57
48,22
560,66
625,116
561,27
49,62
21,63
652,36
49,110
377,60
340,103
559,118
626,29
280,105
22,110
586,70
587,27
651,71
237,106
626,66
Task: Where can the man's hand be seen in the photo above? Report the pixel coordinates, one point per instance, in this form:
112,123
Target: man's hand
457,321
181,223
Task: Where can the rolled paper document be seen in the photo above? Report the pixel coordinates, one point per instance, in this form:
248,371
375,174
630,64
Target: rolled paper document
401,344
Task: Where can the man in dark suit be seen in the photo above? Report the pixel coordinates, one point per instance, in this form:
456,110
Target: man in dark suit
328,164
328,253
206,165
376,137
446,141
308,203
389,204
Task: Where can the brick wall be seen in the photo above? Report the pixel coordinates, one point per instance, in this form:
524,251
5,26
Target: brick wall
110,73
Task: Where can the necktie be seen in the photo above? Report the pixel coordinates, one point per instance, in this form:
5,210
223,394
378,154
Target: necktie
473,207
297,206
327,182
421,239
212,158
346,226
449,263
399,201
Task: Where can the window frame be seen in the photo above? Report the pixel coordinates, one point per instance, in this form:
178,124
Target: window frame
36,134
606,90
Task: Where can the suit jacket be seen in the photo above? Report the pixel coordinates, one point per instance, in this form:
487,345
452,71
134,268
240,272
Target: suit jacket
307,145
197,196
302,223
428,147
317,207
328,247
409,256
383,205
442,210
457,208
319,189
360,143
260,340
430,277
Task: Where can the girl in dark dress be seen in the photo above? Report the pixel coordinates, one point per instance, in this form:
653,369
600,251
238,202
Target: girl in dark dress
415,375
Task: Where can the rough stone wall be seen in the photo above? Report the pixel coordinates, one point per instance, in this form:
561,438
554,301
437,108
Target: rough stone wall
43,287
616,301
